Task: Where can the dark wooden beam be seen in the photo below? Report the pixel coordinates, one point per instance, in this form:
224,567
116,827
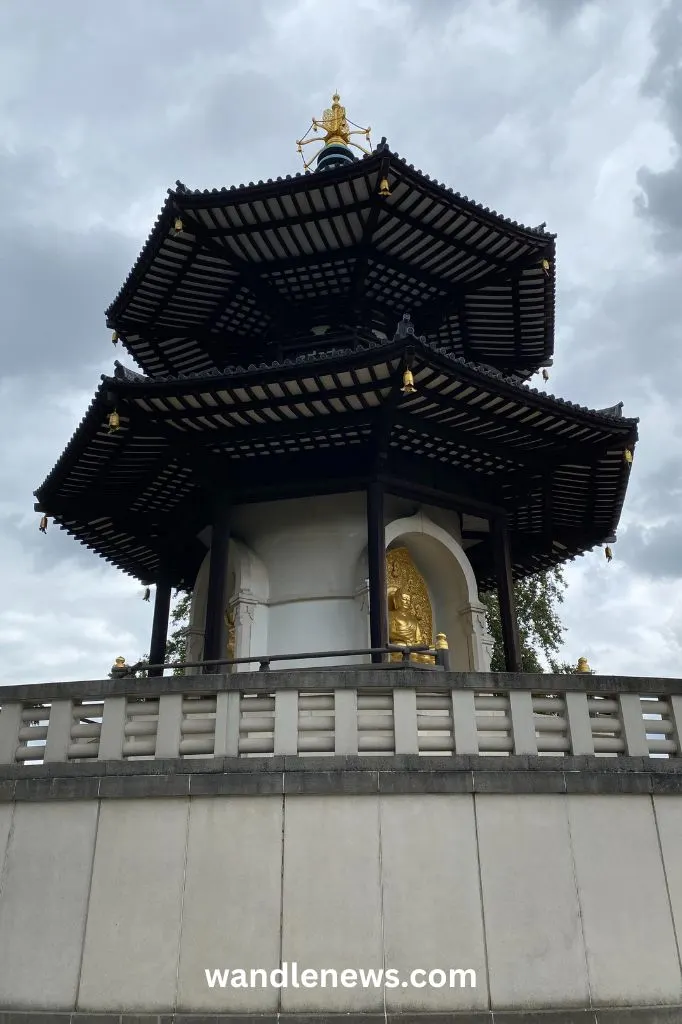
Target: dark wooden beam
505,591
376,564
216,599
157,646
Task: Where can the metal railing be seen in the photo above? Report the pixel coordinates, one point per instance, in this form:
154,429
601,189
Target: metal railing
439,655
346,711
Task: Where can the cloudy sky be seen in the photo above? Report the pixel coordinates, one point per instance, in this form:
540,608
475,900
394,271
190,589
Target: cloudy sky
564,111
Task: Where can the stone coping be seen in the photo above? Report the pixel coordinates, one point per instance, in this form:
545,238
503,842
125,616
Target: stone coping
349,775
598,1015
345,677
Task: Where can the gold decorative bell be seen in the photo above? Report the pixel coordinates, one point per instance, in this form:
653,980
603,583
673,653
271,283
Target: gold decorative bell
178,225
147,594
545,375
43,525
627,455
114,337
384,188
408,387
608,554
114,422
545,266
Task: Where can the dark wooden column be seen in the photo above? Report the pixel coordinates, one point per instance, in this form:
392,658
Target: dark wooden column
376,562
157,647
216,598
505,591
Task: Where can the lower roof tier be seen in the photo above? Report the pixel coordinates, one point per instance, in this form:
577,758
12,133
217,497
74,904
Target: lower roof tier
469,439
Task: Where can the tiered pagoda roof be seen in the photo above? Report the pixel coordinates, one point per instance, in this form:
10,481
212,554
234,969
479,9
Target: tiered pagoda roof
264,319
250,274
468,437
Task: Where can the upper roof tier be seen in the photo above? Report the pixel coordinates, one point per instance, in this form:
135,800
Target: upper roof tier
263,271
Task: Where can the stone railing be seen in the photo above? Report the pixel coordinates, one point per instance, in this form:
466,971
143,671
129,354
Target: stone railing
396,710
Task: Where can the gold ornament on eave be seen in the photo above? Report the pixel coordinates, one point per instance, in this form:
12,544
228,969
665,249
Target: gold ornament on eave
627,455
608,554
43,525
384,188
178,226
546,266
113,422
338,131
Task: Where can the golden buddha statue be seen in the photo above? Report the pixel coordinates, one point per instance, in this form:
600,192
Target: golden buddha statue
583,666
404,629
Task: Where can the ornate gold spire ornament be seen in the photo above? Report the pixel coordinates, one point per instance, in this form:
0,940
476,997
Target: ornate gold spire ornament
338,131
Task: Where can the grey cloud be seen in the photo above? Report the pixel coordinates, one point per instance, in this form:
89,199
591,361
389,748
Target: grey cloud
661,192
558,13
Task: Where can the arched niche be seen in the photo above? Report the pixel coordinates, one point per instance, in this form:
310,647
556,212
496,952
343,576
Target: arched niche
452,587
247,587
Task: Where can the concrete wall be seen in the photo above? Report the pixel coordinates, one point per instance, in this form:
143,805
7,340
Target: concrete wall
569,900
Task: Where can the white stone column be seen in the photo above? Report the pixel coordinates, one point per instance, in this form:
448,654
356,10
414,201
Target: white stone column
362,600
251,628
194,647
479,641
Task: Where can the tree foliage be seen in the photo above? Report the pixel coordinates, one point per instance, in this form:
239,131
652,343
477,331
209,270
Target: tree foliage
176,645
541,632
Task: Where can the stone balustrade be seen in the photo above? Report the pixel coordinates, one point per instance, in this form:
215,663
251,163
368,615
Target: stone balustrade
377,711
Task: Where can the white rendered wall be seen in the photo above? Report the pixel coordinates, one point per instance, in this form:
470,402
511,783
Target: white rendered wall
297,578
554,901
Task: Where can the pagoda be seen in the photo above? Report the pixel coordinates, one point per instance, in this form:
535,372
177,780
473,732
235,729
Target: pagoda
330,437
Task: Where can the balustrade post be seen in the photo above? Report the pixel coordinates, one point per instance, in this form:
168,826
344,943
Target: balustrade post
634,729
405,721
59,731
522,722
465,730
112,731
169,727
227,719
10,724
580,734
676,714
345,721
286,722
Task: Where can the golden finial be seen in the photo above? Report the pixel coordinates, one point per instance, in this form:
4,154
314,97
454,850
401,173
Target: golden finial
338,131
